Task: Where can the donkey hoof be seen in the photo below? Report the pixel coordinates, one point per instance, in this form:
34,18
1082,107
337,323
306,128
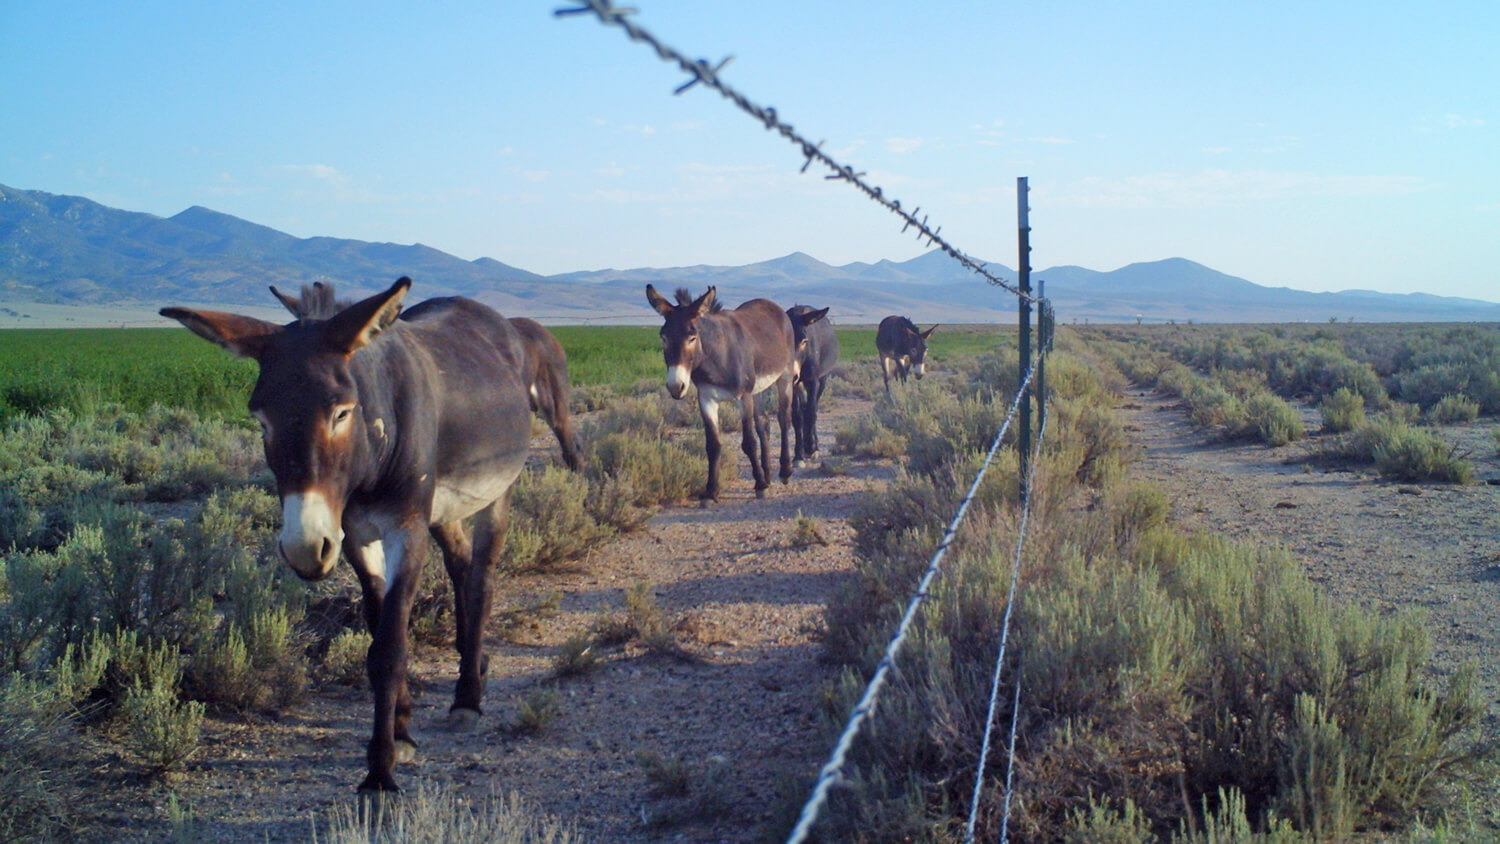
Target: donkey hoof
760,492
377,788
463,720
406,751
800,463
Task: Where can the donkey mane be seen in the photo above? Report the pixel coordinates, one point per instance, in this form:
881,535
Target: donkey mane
319,302
686,298
910,326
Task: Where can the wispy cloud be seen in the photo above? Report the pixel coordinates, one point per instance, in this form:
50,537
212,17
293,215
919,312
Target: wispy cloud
532,176
1044,139
1449,121
1210,188
901,146
316,172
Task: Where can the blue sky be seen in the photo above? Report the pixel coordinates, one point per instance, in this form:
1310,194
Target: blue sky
1321,146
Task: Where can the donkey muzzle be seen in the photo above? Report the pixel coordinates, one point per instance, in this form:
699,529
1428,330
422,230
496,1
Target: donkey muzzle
678,378
310,535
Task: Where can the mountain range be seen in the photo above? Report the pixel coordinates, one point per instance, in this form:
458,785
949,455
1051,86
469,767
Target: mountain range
70,251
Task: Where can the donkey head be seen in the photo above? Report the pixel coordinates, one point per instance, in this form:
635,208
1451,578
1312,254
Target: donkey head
802,316
680,345
918,350
307,403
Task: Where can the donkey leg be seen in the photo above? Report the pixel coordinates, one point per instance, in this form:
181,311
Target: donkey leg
763,440
478,593
368,562
708,408
785,389
747,444
799,410
405,553
814,400
885,372
458,555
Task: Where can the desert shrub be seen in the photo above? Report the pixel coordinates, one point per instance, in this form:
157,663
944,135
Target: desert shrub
1404,412
1213,406
867,436
536,710
1427,385
805,531
1176,380
344,661
551,521
938,425
576,656
1409,454
586,398
161,729
1343,410
1274,421
1453,409
433,812
1135,511
657,470
637,414
36,745
1203,676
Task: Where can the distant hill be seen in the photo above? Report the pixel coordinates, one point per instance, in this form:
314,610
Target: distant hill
70,251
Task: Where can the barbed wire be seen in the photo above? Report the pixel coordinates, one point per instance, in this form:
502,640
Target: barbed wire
708,74
867,702
1010,603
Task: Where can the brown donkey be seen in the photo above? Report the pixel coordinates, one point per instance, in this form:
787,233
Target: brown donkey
902,348
731,355
379,430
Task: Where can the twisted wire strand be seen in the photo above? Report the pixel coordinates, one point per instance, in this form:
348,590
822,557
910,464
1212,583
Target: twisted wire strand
702,71
1010,603
867,702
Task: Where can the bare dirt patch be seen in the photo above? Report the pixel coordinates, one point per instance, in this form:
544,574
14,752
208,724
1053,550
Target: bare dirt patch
734,711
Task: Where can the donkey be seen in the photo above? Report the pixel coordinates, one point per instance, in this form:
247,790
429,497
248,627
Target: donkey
377,430
902,348
546,379
817,354
731,355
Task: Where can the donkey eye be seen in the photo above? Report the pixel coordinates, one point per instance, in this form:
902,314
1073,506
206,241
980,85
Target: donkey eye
342,413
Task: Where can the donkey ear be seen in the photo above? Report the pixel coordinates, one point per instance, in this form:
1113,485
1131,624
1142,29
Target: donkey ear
704,304
658,301
814,316
355,326
928,332
291,303
242,336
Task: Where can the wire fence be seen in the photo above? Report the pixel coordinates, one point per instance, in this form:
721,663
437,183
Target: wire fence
708,75
1010,604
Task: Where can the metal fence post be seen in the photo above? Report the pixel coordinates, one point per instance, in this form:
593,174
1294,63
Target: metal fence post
1023,278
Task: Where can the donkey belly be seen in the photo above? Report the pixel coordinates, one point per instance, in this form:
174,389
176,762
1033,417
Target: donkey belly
459,496
764,381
